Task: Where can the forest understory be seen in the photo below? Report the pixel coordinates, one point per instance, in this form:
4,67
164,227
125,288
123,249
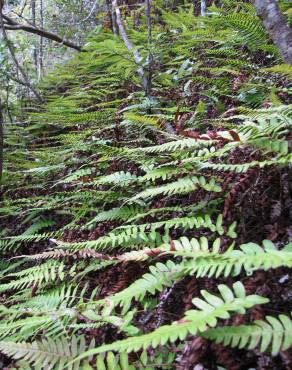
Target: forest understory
148,225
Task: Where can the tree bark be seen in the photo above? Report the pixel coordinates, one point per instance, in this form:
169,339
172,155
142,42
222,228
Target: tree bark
276,25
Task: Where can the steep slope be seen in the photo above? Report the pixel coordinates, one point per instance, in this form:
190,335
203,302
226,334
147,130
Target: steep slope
119,235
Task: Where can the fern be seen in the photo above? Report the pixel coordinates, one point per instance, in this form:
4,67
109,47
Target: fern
35,276
106,217
284,69
207,314
251,257
181,186
202,262
281,161
249,27
273,333
160,276
48,353
178,145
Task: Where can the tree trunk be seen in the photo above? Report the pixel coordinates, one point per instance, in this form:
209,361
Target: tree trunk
41,56
33,20
112,17
150,56
276,25
203,8
1,139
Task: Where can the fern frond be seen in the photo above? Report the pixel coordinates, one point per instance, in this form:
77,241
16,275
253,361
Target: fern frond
48,353
274,334
160,276
239,168
35,276
181,186
249,258
206,315
284,69
181,144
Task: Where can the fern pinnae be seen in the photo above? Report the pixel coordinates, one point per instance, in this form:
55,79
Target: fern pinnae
272,333
48,353
209,311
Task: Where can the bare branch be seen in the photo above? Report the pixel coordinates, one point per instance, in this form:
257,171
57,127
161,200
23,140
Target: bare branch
14,26
91,11
128,44
17,65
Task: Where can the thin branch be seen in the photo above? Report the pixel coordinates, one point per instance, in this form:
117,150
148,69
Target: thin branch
23,7
15,79
91,11
17,65
129,45
14,26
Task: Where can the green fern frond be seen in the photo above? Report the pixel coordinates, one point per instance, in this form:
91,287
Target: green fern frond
273,334
206,315
117,178
249,26
142,120
35,276
119,213
160,276
239,168
249,258
181,144
284,69
48,353
181,186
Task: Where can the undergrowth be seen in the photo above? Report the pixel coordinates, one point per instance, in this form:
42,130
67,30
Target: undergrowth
125,246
